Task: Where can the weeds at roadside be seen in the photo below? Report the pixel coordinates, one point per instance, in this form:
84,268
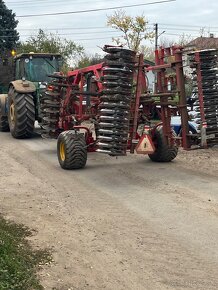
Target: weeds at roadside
19,262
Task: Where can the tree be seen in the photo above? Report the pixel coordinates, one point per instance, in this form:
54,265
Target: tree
8,33
184,40
134,29
87,60
52,43
148,52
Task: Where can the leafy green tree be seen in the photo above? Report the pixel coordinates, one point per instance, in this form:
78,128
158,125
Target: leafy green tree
52,43
87,60
134,29
8,33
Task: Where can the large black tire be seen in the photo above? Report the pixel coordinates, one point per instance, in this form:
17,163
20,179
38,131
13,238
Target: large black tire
21,115
71,150
4,127
163,152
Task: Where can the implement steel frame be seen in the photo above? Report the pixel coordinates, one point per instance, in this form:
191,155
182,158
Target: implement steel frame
79,105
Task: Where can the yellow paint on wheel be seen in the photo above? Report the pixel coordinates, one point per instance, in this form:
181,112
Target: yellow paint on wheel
62,151
12,113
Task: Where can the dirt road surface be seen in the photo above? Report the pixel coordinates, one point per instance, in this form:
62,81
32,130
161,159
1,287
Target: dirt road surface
123,223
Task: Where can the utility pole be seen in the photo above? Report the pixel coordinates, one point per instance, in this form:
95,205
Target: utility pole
156,35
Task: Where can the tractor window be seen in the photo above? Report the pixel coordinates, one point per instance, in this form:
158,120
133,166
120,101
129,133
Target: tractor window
17,70
37,69
20,69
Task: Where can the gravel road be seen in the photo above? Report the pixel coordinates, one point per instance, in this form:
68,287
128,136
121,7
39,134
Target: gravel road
123,223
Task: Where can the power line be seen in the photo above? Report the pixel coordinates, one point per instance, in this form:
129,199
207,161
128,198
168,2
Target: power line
95,10
63,28
161,26
187,25
96,32
43,1
81,33
175,34
76,33
105,28
169,24
59,29
62,34
48,4
28,3
184,29
22,2
75,40
84,39
58,34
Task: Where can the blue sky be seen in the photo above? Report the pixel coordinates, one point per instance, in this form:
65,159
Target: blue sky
175,18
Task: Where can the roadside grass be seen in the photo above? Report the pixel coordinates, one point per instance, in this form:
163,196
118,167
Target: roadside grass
19,262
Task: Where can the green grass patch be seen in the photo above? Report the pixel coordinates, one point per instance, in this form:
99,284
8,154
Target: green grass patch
19,262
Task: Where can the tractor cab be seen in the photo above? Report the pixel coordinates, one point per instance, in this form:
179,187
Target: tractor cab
36,67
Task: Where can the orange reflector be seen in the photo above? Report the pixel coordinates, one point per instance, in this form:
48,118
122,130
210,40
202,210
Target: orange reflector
145,145
50,88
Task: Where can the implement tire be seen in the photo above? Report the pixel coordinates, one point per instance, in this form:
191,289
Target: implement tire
163,152
21,115
71,150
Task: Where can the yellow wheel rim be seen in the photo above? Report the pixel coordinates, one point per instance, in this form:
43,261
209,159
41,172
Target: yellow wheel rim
12,113
62,151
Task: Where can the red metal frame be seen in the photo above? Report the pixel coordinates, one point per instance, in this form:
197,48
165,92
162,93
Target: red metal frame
78,105
136,103
73,108
171,59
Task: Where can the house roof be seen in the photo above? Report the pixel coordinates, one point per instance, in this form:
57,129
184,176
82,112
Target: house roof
204,42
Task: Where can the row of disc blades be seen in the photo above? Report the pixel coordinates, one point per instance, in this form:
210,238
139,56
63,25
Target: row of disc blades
114,108
209,84
50,109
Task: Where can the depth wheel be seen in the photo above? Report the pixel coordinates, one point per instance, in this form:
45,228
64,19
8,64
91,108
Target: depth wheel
21,115
163,152
71,150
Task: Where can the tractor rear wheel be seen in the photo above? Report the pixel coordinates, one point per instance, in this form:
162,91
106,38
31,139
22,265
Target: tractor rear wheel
21,115
71,150
164,152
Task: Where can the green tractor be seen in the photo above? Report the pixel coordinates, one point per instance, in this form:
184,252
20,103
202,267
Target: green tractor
20,107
